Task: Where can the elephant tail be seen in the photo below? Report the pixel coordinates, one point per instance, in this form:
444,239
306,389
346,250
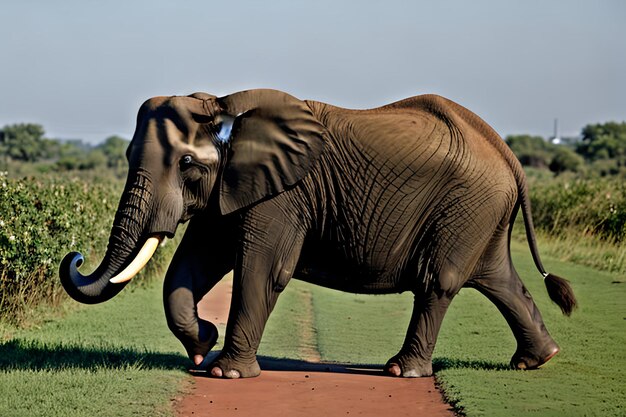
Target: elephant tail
559,289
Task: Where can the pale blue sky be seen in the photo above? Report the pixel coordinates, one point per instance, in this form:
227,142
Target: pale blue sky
82,68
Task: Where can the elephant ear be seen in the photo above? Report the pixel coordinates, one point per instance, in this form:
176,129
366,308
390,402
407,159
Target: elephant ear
274,142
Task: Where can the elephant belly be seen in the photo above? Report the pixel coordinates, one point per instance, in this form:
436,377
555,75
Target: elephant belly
332,269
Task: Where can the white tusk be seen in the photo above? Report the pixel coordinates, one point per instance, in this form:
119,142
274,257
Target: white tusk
139,262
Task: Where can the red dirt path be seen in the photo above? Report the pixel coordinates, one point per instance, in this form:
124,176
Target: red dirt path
295,388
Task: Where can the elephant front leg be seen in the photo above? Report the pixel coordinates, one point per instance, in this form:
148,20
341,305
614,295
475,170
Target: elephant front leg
263,270
198,336
254,297
199,263
415,357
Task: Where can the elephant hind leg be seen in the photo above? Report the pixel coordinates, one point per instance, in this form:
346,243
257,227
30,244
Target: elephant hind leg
415,357
498,280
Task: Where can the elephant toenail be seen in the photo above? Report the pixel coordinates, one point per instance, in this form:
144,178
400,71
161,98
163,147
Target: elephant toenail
232,374
394,369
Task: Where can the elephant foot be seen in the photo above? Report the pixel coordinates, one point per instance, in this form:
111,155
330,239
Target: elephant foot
408,368
233,369
201,348
526,359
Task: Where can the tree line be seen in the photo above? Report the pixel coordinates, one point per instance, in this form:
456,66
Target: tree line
600,151
26,143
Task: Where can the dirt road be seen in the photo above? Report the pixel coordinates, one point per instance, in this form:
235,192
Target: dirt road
297,388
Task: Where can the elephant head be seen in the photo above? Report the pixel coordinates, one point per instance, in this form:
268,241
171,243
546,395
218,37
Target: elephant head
194,154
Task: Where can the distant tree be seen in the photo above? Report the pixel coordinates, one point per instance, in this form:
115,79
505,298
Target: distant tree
532,151
23,142
67,163
73,148
605,167
565,159
114,149
94,159
50,148
604,141
71,155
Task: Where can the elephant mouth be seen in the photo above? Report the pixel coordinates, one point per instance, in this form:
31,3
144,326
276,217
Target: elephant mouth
141,259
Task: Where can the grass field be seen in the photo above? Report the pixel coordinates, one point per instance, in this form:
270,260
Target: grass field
119,359
585,379
113,359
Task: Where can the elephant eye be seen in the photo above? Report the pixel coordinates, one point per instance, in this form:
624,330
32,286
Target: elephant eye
186,161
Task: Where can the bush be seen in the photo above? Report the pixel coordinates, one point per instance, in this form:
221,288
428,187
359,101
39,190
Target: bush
586,207
565,159
531,151
40,221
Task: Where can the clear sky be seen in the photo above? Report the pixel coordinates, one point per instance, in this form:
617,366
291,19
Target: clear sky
82,68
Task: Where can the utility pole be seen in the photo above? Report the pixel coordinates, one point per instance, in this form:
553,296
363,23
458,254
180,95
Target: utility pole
555,138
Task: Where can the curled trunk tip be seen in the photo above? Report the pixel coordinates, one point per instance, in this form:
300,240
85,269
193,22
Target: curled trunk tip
84,289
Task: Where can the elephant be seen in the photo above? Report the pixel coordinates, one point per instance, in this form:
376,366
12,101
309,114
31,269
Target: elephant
418,195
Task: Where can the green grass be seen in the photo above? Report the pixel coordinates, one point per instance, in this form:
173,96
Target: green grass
586,378
112,359
119,358
581,249
361,329
283,336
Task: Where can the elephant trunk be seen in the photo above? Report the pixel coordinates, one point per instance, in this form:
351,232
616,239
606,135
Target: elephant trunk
129,249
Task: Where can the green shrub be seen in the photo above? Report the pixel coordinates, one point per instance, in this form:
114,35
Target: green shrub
586,207
40,221
532,151
579,221
565,159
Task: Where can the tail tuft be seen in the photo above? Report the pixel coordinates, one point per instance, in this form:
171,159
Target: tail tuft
561,293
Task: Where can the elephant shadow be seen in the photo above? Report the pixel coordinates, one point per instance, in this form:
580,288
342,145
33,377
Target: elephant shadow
269,363
20,354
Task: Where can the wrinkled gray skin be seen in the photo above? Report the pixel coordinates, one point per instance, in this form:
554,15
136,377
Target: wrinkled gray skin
419,196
